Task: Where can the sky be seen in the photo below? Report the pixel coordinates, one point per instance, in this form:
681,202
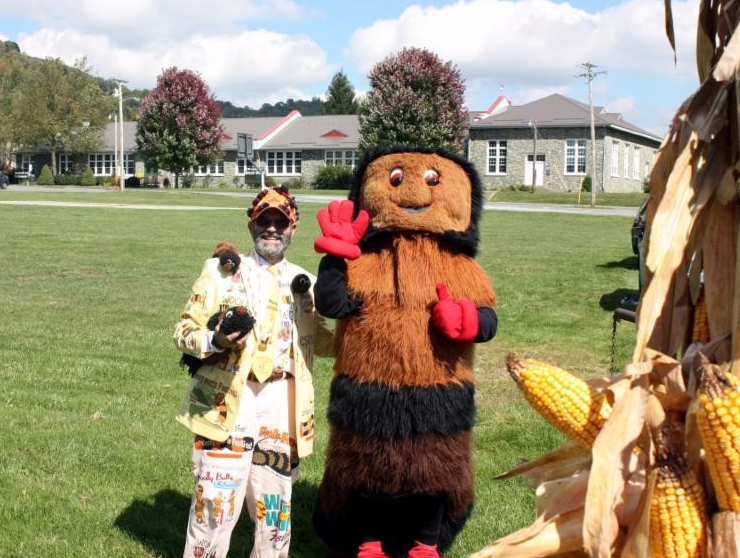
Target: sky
251,52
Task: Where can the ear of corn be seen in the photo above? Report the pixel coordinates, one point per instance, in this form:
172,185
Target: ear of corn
565,401
700,331
718,417
678,520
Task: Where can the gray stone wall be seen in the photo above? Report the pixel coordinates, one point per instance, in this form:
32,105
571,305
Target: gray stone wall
618,182
550,142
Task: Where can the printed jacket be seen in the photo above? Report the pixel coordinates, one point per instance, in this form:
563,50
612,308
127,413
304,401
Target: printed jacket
210,405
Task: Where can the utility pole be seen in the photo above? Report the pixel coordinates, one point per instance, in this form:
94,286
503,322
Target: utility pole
533,125
590,75
120,83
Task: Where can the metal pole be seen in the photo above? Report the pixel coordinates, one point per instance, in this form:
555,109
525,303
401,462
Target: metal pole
534,155
120,129
115,143
593,143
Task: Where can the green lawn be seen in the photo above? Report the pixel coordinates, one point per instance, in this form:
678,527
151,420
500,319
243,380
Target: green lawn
93,464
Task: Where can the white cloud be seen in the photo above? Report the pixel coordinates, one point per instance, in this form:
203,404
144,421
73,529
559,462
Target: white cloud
245,67
535,43
3,37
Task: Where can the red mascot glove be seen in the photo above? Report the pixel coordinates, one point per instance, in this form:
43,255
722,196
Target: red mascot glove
341,235
456,319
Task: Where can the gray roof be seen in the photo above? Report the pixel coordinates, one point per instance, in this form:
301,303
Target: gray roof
129,136
555,111
257,126
339,131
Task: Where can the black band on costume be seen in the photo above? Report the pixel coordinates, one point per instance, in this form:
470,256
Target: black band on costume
400,413
487,324
330,291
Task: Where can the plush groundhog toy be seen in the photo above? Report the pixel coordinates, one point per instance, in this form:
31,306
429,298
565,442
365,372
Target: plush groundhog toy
232,319
410,303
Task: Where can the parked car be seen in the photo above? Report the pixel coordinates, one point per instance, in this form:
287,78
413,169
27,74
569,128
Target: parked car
4,181
638,228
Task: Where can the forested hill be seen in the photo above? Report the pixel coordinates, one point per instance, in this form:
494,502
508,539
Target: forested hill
132,97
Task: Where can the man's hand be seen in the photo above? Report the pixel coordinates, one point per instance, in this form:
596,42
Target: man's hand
231,341
456,319
341,235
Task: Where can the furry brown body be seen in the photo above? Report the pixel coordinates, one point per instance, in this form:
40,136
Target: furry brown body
402,406
390,346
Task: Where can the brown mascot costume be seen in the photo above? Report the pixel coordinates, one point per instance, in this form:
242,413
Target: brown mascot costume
410,303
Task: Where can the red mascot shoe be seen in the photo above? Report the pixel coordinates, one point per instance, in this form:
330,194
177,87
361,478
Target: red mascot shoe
371,549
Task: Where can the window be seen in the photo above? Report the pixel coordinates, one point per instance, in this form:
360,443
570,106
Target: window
64,163
626,172
216,168
283,162
245,166
340,157
636,163
497,157
575,156
102,164
129,164
26,163
615,158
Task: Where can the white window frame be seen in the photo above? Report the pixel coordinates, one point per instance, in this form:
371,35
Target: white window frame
129,164
245,166
27,163
102,164
283,163
575,151
497,156
346,157
215,169
65,163
615,159
636,162
626,172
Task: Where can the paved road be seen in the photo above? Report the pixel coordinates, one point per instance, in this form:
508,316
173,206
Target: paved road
300,197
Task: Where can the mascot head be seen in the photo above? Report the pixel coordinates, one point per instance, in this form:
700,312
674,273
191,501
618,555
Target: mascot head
416,190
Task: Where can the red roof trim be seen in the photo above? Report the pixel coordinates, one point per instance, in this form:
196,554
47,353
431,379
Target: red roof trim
279,123
334,134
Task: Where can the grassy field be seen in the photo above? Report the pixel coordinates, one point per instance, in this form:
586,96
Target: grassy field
183,197
93,464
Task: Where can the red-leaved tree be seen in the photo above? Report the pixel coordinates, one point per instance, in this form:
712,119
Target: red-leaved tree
179,124
415,99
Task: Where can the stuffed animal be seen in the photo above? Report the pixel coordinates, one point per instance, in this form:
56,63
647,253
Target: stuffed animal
232,319
410,303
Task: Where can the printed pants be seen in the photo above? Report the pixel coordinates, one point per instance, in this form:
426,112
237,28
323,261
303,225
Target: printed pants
257,465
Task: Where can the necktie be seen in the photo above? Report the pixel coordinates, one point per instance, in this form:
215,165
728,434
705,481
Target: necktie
264,357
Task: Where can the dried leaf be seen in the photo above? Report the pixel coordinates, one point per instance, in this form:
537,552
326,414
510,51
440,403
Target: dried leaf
612,454
726,535
561,462
637,544
559,535
728,62
562,496
705,47
669,27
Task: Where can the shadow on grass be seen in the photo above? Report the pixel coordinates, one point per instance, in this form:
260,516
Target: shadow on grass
626,263
159,523
612,301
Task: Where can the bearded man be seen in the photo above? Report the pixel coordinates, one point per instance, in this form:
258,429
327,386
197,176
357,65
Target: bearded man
251,411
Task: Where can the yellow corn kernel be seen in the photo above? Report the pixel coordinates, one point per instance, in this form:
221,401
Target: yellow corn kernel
568,403
718,404
700,331
678,521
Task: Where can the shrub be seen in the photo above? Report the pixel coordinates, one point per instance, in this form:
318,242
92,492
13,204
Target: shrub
67,179
188,180
646,184
586,183
271,182
45,178
294,183
333,177
87,178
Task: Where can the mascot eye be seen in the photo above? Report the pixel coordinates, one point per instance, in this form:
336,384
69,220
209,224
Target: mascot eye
396,176
431,177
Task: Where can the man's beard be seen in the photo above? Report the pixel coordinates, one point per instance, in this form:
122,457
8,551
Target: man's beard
270,250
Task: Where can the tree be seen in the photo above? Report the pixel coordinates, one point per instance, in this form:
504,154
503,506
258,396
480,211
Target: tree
340,96
179,123
415,99
52,106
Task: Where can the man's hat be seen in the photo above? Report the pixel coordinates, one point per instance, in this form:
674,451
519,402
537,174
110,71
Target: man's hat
274,198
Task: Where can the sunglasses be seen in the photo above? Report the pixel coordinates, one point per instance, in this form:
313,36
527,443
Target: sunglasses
267,221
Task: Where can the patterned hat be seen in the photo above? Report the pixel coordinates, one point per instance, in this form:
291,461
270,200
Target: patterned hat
274,198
